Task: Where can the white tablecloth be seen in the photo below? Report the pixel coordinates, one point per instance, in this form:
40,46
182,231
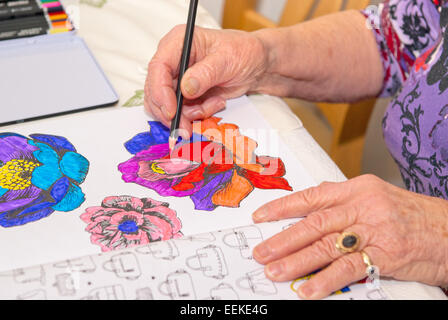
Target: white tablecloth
124,34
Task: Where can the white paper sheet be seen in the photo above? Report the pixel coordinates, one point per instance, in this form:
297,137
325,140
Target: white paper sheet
99,136
216,265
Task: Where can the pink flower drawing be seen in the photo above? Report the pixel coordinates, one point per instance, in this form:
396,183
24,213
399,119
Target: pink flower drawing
124,221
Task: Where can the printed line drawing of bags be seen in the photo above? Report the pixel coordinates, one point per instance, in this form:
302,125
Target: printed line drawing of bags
205,237
144,294
245,239
114,292
166,250
257,282
210,260
288,226
38,294
84,264
223,291
376,294
65,284
33,274
124,265
178,286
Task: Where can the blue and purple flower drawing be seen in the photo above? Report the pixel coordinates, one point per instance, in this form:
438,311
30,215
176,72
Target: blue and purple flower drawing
38,175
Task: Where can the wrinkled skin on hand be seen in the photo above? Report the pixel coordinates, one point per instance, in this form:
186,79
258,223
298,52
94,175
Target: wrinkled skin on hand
224,64
404,233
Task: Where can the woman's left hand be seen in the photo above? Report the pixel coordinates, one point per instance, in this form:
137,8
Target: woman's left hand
405,235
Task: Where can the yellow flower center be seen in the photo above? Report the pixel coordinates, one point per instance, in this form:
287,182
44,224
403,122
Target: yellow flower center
16,174
156,168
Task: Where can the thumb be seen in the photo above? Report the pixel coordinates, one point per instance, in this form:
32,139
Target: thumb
203,76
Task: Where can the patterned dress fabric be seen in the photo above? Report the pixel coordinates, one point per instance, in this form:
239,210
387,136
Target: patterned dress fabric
412,38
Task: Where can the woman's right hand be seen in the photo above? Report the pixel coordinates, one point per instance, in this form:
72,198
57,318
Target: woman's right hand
224,64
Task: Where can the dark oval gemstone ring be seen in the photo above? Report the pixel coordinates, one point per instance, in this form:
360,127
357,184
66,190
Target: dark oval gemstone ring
348,242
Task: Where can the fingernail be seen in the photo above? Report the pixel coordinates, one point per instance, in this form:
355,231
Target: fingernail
275,269
260,215
262,251
306,292
198,114
192,86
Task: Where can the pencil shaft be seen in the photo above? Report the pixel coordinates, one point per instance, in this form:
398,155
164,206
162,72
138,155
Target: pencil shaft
184,62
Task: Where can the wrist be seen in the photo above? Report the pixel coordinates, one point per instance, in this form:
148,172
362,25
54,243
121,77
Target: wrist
290,61
435,220
264,36
271,80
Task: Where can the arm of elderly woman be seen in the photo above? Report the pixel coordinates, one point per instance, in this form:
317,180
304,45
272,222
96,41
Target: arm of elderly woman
333,58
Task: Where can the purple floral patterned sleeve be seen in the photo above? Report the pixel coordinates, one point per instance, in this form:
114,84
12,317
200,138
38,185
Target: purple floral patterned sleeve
412,39
404,30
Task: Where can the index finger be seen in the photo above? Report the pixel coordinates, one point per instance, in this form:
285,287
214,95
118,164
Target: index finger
163,70
304,233
160,88
169,49
304,202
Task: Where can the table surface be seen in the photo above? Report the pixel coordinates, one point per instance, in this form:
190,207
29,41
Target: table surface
124,34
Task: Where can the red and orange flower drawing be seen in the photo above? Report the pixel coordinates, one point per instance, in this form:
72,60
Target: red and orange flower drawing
217,167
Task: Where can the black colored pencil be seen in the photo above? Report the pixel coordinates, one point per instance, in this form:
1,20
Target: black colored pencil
184,61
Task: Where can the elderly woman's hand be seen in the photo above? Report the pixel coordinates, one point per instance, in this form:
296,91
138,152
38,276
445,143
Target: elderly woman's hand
223,65
405,235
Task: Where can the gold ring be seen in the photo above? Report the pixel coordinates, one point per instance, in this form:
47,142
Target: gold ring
370,270
366,259
348,242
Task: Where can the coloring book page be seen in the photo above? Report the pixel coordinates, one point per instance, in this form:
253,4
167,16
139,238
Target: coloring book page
102,180
208,266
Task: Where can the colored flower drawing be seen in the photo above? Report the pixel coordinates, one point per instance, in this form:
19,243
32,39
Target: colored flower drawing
124,221
38,175
217,167
136,100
